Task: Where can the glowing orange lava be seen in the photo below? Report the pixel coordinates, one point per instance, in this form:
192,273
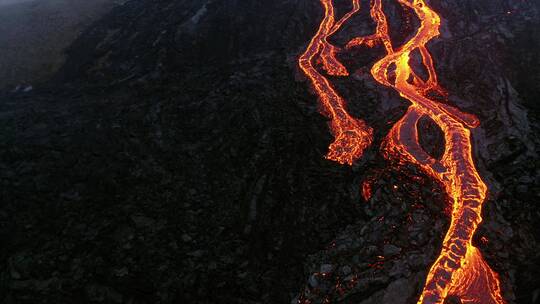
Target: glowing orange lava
460,269
352,136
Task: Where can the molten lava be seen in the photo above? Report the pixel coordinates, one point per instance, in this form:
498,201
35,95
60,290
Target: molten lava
459,270
352,136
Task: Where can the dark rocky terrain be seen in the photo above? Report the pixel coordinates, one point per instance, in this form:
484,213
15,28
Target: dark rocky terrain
177,157
34,33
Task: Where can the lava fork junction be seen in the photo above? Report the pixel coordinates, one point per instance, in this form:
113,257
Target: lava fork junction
459,270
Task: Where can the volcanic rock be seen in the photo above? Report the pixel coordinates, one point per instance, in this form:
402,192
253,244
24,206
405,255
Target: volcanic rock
175,118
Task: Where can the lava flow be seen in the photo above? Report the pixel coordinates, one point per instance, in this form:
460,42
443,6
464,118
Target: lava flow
460,269
352,136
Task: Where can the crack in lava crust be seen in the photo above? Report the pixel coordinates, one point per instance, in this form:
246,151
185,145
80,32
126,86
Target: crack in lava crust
460,269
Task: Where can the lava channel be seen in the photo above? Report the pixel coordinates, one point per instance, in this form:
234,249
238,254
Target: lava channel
460,269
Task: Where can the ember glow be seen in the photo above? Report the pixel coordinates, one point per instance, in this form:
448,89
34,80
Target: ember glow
460,269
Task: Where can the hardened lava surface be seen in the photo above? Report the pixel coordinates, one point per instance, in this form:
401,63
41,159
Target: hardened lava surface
178,157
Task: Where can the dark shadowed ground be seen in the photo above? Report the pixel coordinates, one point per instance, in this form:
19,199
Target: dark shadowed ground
177,157
34,34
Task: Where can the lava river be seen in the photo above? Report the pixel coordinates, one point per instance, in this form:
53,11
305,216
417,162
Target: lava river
460,269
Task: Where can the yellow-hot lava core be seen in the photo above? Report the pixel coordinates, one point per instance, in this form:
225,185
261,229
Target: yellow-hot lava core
460,269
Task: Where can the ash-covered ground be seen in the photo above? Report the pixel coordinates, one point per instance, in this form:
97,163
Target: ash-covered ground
177,157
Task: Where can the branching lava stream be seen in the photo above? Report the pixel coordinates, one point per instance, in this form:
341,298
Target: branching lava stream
460,269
